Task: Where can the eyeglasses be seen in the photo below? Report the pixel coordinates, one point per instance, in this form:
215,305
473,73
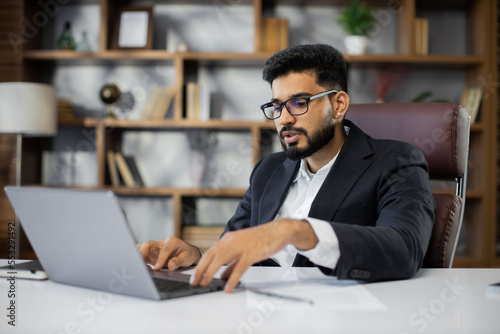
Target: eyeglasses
295,106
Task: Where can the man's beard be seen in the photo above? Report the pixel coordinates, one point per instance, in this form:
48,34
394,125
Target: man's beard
322,137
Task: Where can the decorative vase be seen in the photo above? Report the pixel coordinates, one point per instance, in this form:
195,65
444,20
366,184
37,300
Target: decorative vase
66,41
355,45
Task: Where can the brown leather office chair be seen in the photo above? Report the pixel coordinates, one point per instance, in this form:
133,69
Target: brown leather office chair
441,131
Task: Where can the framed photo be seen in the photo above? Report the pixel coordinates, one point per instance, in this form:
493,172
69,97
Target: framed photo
134,28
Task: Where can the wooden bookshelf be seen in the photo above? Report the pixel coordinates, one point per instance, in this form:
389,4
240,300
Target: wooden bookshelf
478,65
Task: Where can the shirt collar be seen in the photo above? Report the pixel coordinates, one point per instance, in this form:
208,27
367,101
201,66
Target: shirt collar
305,173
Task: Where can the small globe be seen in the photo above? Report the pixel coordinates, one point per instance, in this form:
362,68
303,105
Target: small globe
110,93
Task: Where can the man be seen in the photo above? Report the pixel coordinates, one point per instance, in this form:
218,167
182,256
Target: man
355,207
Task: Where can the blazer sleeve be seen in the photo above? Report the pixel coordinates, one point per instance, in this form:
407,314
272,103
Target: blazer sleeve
395,245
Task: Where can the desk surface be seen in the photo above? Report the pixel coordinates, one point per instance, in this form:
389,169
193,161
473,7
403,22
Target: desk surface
434,301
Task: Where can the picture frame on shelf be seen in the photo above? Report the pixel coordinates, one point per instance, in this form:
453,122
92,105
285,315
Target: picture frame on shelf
134,28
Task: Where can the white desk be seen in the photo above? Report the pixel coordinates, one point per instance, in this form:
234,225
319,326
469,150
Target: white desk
435,301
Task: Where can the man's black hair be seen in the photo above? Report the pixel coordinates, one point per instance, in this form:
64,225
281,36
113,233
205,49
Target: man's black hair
326,62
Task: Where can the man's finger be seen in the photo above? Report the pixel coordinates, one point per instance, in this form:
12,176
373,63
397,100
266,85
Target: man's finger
165,253
227,272
234,278
200,268
210,270
144,249
187,257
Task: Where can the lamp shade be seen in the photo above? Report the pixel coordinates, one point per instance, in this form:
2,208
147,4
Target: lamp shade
28,108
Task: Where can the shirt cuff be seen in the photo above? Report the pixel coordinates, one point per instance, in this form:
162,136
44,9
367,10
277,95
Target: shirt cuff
327,252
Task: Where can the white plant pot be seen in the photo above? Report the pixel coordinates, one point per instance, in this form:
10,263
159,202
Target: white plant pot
355,45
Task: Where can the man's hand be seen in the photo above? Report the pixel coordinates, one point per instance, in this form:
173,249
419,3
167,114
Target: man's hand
171,253
241,249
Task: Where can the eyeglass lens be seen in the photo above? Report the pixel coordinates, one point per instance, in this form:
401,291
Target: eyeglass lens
295,107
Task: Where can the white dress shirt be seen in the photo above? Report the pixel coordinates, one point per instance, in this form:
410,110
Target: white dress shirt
296,206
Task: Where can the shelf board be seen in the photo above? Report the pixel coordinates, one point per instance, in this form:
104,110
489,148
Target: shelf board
463,261
167,123
85,122
473,194
107,55
159,191
218,124
470,194
161,55
139,55
477,127
185,192
415,59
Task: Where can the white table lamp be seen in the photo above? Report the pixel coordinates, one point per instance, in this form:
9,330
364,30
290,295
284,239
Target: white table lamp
26,109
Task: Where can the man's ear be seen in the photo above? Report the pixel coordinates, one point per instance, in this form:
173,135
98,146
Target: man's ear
340,103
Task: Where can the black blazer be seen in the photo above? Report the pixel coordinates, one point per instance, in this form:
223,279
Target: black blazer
376,197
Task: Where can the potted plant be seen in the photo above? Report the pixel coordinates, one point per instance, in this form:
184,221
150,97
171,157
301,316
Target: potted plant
357,20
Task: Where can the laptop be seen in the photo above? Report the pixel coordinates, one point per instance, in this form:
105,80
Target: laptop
82,238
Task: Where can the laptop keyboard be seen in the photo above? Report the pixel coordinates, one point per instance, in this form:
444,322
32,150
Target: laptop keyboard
166,285
171,288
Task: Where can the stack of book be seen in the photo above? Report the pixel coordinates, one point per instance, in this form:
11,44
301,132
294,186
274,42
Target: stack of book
197,105
421,36
158,103
64,110
274,34
123,170
202,237
471,100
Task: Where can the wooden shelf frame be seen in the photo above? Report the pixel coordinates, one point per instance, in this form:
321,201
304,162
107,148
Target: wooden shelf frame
479,66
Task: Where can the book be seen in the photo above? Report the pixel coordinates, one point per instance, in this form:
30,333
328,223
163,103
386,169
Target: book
134,170
205,99
283,34
152,101
124,170
425,37
158,103
166,100
471,100
272,38
192,100
421,36
274,34
113,172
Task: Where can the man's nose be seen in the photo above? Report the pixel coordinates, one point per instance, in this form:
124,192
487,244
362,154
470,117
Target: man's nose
286,117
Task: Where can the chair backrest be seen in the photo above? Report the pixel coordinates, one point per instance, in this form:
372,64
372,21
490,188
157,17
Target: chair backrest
441,131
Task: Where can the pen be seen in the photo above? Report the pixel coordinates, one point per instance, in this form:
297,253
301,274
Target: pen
279,296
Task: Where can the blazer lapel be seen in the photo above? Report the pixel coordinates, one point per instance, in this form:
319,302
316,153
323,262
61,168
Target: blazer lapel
350,165
276,190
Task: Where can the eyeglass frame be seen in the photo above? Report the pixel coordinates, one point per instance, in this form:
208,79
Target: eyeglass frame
307,98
